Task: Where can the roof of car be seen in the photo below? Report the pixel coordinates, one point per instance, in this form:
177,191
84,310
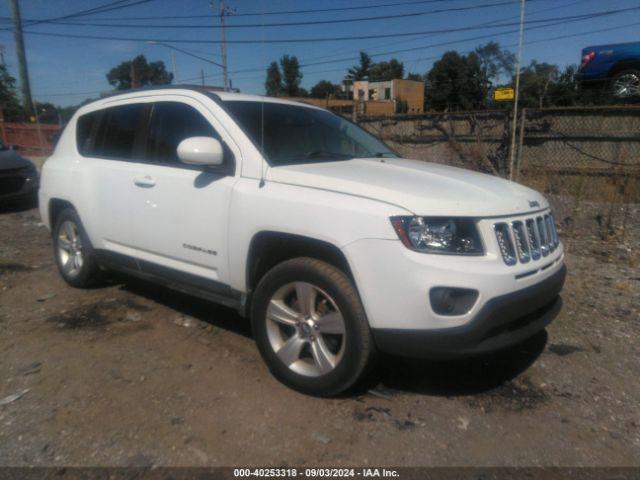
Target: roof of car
222,95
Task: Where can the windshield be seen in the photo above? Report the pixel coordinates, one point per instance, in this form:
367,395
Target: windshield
296,134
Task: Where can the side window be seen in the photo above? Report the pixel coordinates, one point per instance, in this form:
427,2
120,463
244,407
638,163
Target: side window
116,136
85,130
172,122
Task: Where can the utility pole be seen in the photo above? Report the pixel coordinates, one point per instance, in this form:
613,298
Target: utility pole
173,65
2,55
134,75
223,45
202,76
512,150
27,102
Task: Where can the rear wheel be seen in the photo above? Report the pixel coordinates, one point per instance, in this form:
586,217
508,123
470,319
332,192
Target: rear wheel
73,252
310,327
626,85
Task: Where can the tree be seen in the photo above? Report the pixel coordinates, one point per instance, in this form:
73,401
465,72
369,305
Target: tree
273,83
47,113
416,77
291,75
11,109
536,83
455,83
494,63
545,85
565,92
361,71
325,89
384,71
154,73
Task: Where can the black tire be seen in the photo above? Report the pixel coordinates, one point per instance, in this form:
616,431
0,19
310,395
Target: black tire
621,75
358,354
89,273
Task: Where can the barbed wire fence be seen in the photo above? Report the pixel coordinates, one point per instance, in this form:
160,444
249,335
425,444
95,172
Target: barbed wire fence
585,159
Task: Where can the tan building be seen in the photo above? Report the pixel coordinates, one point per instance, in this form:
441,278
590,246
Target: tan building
401,96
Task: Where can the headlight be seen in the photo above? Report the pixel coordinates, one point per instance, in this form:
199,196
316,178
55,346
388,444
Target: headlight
453,236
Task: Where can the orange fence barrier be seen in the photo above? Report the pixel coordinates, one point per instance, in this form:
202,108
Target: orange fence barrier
31,139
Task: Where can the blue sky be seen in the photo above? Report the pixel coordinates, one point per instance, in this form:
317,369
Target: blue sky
65,71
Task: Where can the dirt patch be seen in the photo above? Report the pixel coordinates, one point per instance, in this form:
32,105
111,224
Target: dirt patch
384,415
516,395
98,315
563,349
13,268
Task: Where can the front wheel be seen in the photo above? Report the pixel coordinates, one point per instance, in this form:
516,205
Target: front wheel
310,327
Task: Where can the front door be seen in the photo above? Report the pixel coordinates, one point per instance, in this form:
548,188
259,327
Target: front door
181,211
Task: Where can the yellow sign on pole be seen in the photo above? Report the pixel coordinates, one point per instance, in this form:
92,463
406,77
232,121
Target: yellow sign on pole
503,93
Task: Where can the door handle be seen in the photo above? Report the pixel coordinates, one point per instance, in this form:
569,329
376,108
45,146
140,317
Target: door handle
144,182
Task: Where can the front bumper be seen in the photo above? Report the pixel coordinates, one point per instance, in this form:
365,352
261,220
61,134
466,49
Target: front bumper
513,301
502,321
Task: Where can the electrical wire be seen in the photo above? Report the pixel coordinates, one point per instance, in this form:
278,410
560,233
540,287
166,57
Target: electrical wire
108,7
335,39
291,24
280,12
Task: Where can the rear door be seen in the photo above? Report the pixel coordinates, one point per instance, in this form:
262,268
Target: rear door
181,213
109,140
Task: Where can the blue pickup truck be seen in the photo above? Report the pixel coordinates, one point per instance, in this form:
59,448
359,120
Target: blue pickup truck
615,67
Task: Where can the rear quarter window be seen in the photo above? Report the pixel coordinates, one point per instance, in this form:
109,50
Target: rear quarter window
85,131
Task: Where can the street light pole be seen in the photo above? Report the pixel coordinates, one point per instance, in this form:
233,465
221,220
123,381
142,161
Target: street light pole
512,150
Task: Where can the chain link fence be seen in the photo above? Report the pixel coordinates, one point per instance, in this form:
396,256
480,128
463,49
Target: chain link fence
586,160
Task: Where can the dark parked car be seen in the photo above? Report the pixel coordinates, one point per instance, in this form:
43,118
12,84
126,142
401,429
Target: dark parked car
18,176
615,67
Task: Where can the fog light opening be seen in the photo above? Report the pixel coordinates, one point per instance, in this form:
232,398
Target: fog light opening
452,301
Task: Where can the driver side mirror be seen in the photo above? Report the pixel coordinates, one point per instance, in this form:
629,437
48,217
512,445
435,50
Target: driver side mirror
201,151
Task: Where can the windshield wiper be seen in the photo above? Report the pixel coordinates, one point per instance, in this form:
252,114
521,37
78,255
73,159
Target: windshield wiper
325,154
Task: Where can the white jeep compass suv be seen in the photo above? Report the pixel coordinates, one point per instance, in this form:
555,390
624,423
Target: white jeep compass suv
334,247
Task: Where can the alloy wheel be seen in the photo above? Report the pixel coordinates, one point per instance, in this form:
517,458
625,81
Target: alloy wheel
627,85
70,248
306,329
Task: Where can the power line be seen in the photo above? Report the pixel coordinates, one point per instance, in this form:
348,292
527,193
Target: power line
108,7
186,52
559,37
548,39
421,47
405,40
335,39
281,12
291,24
116,5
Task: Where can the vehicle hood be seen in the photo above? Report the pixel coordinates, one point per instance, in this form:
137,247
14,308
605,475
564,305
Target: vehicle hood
422,188
10,160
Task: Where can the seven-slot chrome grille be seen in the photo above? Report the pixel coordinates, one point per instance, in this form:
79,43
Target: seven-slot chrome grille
528,239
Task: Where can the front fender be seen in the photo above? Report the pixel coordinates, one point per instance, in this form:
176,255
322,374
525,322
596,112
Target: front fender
335,218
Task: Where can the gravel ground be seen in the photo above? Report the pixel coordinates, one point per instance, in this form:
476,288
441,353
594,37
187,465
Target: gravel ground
133,374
